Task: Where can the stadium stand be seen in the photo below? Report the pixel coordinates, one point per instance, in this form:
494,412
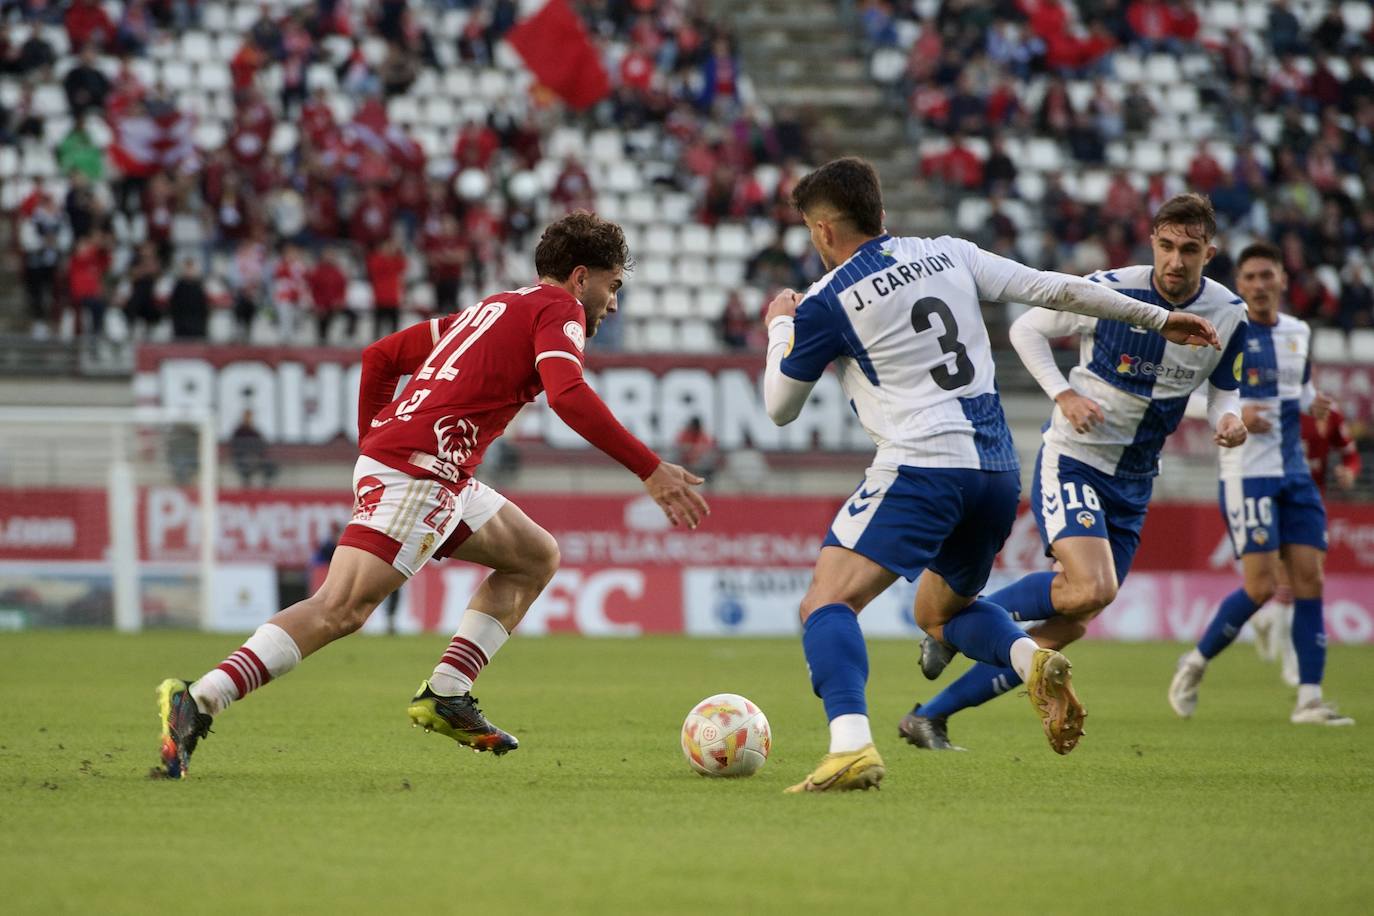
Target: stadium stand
238,145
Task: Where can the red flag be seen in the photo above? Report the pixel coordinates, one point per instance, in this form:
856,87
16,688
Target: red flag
556,48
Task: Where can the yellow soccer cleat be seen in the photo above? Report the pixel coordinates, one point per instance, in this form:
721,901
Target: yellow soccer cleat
861,769
1051,693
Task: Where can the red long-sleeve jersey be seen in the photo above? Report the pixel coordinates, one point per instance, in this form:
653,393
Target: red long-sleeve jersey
471,373
1319,443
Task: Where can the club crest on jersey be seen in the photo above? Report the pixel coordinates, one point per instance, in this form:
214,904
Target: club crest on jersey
1086,518
455,439
576,334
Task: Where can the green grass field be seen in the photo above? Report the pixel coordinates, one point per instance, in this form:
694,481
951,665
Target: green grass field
315,795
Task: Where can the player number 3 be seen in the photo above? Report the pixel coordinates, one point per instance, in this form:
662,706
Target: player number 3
950,345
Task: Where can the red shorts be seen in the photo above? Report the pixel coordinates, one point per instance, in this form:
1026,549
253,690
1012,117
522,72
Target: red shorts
406,520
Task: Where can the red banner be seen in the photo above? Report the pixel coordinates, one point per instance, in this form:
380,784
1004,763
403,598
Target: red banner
287,527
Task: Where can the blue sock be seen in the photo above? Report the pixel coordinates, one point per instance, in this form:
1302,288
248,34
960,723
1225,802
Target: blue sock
1309,639
1236,608
974,687
984,632
838,659
1028,598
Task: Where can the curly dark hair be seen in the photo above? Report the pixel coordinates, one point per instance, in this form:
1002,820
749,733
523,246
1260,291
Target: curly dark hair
1191,212
851,186
581,239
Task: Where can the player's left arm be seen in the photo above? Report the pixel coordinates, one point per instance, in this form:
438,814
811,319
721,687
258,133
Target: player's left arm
1313,402
803,337
1223,391
385,361
1001,279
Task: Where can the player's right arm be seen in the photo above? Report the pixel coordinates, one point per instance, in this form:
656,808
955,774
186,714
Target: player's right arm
1001,279
385,361
559,336
803,337
1030,337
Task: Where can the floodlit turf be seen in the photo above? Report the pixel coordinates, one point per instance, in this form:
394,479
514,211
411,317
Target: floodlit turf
315,795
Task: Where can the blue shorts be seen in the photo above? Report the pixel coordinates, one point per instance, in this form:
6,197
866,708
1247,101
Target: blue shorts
1073,499
952,521
1266,513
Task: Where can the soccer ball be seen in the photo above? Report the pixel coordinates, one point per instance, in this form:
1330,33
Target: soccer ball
726,735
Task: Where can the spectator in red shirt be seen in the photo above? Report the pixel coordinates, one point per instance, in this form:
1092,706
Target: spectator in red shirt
1205,173
572,190
329,293
1183,22
957,166
446,253
371,222
86,282
475,146
317,118
386,269
1150,21
1322,438
290,291
87,23
244,66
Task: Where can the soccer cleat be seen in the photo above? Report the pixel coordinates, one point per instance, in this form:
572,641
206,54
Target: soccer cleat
460,719
1050,689
183,725
1183,688
861,769
1266,624
935,657
1319,712
932,734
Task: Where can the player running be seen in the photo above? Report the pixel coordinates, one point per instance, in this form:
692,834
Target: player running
902,320
1321,441
1096,466
416,496
1271,504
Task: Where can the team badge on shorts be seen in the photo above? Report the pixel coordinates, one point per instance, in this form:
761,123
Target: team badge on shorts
426,545
1260,536
1086,519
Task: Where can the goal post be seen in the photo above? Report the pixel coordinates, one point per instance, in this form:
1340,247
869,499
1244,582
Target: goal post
61,468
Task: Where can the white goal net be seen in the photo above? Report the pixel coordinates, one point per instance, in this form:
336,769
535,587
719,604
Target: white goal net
75,513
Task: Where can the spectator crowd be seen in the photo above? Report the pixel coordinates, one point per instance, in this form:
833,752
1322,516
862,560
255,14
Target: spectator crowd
317,204
1287,105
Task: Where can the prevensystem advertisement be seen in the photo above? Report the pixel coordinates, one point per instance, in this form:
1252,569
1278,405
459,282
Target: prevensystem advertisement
625,571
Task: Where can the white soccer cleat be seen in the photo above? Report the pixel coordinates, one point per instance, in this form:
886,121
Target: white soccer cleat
1266,625
1319,712
1183,688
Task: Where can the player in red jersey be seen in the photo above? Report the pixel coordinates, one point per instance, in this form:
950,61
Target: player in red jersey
415,496
1322,438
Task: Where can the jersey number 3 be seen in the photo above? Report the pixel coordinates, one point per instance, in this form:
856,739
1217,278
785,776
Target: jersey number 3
948,340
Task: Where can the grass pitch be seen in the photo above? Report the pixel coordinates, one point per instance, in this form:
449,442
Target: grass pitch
314,796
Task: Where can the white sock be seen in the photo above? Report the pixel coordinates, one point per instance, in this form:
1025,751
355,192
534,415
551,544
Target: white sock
1195,658
1022,654
269,653
478,638
1309,693
849,732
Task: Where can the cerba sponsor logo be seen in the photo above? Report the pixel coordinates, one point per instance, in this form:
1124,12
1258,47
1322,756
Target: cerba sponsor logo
1139,366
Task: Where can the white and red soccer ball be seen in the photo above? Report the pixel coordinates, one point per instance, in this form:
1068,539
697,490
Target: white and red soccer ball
726,735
